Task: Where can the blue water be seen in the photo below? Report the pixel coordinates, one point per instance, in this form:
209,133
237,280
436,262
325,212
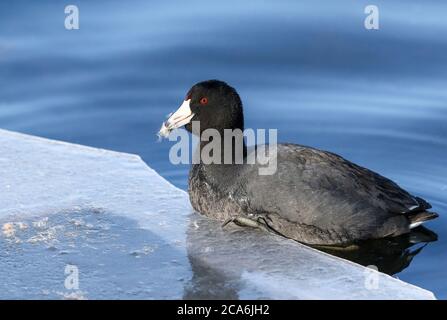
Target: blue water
308,68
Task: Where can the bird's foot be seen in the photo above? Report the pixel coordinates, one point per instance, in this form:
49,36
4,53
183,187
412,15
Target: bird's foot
245,222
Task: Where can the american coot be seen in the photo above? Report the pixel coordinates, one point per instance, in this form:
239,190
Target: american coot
314,197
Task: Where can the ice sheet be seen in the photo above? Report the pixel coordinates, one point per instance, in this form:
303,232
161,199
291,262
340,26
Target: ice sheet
131,234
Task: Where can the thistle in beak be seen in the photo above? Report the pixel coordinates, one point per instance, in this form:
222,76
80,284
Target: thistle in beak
176,120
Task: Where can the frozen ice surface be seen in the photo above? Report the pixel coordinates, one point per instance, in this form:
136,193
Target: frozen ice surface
131,234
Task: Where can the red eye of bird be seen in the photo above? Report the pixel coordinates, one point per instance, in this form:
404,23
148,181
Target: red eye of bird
203,101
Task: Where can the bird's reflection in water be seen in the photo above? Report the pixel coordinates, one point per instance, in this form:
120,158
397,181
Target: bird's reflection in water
389,255
209,283
219,257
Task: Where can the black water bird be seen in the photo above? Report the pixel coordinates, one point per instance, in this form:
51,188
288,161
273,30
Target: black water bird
314,197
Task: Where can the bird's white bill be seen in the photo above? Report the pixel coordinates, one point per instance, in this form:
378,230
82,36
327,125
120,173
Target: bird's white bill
178,119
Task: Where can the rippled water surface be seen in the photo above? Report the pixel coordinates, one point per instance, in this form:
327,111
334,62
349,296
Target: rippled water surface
308,68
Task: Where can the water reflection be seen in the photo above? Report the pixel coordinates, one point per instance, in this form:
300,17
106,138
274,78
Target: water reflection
390,255
209,283
238,263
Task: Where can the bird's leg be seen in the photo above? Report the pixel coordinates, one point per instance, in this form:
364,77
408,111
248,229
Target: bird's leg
265,226
229,220
241,222
244,222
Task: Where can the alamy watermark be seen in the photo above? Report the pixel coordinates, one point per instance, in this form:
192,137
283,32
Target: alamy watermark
372,19
72,277
227,149
372,277
72,17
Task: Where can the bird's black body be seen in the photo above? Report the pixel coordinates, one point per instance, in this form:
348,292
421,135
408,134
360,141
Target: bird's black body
315,197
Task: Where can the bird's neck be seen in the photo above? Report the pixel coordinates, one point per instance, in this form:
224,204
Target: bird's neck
227,148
